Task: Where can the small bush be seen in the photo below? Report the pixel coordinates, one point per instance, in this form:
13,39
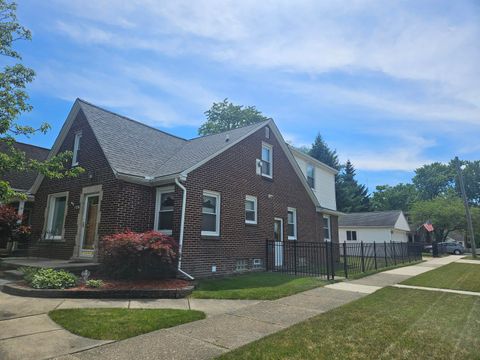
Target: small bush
28,273
94,283
149,255
53,279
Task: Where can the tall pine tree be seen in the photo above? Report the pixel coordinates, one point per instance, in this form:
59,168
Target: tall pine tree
323,153
351,196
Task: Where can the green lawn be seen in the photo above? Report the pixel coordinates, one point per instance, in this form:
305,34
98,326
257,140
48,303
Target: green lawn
118,324
392,323
261,286
455,276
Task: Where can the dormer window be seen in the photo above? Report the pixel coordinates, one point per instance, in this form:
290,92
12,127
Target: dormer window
311,176
76,148
267,160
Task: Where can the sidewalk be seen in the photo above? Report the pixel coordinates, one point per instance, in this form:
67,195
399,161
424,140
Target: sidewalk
28,333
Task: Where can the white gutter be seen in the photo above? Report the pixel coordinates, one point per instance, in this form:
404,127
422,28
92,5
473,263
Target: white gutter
182,225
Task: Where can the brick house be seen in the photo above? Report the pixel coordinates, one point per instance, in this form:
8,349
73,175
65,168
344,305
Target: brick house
221,196
21,182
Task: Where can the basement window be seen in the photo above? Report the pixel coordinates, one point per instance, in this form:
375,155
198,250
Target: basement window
242,265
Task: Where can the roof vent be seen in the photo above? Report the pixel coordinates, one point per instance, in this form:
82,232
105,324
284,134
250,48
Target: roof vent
227,138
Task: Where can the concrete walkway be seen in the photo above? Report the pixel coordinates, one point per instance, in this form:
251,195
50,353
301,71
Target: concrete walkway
467,261
26,332
461,292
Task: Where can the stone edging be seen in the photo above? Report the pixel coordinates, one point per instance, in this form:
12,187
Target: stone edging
19,290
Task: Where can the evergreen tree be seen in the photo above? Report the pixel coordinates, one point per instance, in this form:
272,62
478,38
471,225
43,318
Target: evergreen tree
323,153
351,196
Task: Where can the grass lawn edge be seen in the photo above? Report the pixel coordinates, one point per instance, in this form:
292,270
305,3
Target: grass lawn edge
120,323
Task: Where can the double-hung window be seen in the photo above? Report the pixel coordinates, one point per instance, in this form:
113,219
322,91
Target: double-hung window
76,148
250,209
211,213
164,210
267,160
351,235
56,211
311,176
292,224
326,228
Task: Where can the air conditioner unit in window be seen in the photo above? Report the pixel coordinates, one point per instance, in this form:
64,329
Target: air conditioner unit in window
259,166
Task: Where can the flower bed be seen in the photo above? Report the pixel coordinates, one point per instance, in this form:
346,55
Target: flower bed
146,289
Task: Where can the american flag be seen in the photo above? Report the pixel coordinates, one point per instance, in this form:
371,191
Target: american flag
428,226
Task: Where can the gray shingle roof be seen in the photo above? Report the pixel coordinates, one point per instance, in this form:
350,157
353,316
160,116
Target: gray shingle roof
375,218
136,149
24,180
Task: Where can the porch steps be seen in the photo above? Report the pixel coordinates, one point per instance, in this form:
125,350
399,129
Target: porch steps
12,275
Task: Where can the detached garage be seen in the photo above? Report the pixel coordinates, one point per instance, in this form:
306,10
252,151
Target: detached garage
377,226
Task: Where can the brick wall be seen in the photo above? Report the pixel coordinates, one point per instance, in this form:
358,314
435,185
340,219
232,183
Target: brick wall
233,174
97,172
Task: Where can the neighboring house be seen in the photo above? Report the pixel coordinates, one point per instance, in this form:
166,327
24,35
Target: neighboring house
221,196
377,226
22,182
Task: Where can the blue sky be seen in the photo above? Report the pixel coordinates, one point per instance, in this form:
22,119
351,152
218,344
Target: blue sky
391,85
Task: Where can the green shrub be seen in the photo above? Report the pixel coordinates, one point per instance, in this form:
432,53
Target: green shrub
94,283
53,279
28,273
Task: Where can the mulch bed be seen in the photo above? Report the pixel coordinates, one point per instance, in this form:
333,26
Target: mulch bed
135,284
152,289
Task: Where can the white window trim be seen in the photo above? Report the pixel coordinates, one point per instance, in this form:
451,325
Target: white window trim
49,216
313,167
329,228
294,211
217,213
270,147
158,198
76,148
255,209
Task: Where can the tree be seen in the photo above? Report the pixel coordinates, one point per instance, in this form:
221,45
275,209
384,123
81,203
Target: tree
433,180
398,197
471,177
446,213
351,196
225,116
323,153
14,102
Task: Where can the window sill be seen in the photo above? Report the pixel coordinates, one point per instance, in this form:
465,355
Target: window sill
267,178
292,238
251,224
210,237
45,240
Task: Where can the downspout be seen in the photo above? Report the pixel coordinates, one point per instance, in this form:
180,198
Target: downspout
182,225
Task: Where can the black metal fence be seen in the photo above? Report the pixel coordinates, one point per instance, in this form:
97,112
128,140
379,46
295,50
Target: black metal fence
327,259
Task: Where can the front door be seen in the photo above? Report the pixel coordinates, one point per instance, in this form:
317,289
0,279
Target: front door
278,241
88,234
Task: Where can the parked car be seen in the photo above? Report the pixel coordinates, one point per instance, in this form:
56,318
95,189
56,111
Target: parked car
451,247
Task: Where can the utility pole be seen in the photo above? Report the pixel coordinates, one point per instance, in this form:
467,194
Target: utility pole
467,208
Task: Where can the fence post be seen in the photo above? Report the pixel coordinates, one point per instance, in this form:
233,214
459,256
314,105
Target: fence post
375,254
326,259
363,257
295,256
403,255
345,265
266,255
385,253
331,259
392,244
